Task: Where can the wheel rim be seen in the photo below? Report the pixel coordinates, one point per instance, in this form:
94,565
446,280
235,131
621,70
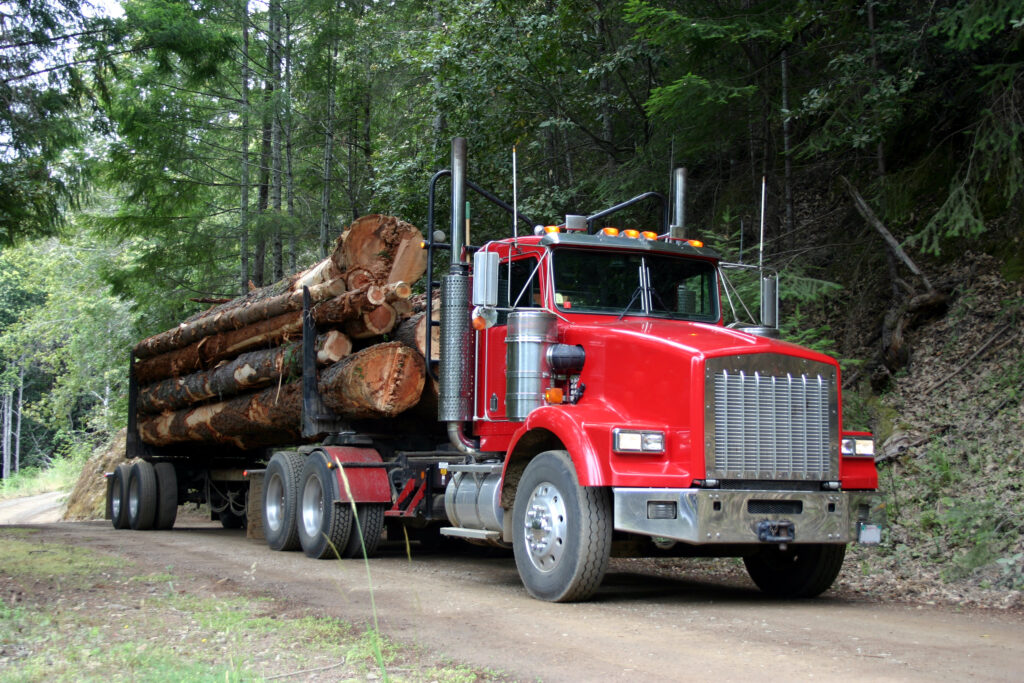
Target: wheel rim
275,503
545,527
312,507
133,497
115,499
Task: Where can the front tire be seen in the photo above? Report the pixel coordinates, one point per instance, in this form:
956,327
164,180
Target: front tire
324,525
281,500
562,532
799,571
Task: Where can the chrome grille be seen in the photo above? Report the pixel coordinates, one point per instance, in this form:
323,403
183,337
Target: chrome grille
771,417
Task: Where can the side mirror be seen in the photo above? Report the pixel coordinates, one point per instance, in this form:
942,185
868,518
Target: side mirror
485,279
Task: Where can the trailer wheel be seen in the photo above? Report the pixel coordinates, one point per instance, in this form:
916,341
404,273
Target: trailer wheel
562,532
281,500
166,495
141,496
799,571
117,496
371,521
324,524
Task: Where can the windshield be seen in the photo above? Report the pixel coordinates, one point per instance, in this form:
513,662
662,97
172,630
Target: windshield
632,283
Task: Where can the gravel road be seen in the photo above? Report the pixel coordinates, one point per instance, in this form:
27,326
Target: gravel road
41,509
640,626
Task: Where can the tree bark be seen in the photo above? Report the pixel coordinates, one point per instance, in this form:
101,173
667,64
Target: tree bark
413,332
271,332
381,381
237,314
249,371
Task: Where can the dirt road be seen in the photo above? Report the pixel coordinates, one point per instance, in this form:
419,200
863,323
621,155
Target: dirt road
41,509
640,626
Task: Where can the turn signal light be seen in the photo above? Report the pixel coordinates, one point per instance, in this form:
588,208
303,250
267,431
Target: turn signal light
695,243
553,395
632,233
611,232
479,323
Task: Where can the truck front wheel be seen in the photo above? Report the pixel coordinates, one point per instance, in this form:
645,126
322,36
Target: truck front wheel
799,571
324,524
562,532
281,500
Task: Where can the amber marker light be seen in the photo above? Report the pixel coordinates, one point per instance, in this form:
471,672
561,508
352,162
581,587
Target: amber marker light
635,234
549,229
695,243
423,245
611,232
649,234
553,395
479,323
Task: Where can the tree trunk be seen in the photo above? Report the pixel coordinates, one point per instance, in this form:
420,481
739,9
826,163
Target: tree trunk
249,371
237,314
786,151
289,174
276,179
210,350
378,382
325,188
17,425
413,332
373,322
5,418
387,247
243,246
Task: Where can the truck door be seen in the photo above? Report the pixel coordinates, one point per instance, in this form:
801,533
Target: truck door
518,286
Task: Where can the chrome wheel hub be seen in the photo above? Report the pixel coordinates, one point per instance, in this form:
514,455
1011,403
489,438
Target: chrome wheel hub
545,527
275,503
312,507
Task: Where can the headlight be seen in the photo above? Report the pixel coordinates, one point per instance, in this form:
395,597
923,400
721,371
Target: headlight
858,448
630,441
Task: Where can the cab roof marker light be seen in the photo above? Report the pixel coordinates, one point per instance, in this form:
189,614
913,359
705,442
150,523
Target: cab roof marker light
649,234
549,229
695,243
611,232
633,234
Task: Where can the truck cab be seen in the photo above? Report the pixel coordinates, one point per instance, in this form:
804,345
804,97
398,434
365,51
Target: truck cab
612,410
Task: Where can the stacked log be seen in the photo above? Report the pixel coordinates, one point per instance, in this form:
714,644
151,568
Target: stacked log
232,374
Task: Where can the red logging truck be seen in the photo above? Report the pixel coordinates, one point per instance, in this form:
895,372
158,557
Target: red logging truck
591,401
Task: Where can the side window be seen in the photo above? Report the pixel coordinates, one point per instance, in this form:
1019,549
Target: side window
524,291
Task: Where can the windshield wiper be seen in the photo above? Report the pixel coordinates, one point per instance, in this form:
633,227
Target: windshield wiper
643,291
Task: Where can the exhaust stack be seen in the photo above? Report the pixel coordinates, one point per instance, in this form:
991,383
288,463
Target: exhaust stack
456,385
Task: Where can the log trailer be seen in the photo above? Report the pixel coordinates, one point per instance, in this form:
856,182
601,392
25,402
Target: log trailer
591,403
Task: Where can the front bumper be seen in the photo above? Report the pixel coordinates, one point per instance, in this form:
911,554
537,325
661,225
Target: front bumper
704,516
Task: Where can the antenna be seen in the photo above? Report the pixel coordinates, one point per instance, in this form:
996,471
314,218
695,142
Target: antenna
515,201
764,197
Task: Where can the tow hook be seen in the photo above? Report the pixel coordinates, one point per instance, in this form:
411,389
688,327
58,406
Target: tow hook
776,532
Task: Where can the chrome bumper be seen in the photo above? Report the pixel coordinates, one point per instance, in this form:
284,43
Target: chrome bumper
721,516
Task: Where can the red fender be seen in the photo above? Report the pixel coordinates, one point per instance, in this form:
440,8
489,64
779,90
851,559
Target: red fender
367,484
591,470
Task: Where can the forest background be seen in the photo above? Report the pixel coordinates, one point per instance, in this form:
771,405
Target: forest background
159,154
